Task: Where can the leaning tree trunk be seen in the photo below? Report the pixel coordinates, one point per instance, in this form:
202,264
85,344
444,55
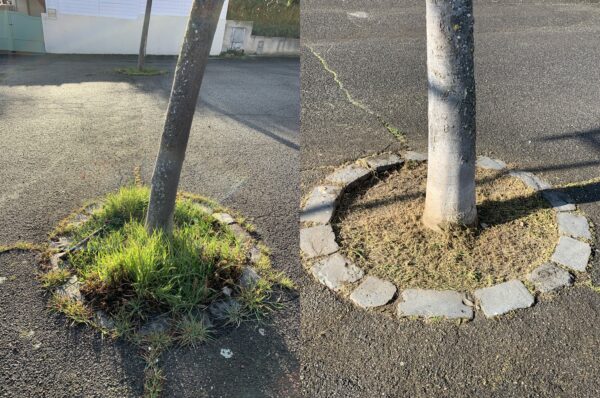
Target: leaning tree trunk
182,104
143,41
450,198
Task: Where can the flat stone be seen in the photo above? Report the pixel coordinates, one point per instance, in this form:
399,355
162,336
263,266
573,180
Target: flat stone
434,303
549,277
504,297
572,253
255,254
573,225
336,270
57,260
249,278
240,232
488,163
318,241
384,162
373,292
71,289
348,175
224,218
321,204
415,156
531,180
104,321
220,309
558,200
3,279
62,243
158,324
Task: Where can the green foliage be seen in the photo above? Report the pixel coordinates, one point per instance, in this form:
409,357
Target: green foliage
193,332
278,18
54,278
159,273
73,309
131,71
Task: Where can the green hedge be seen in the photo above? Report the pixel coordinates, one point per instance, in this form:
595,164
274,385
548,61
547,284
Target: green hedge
276,18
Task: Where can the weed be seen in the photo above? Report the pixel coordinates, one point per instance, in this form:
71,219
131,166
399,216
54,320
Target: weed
22,246
73,309
192,331
54,278
134,71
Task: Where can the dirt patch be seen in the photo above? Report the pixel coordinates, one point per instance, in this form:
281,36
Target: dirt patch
380,229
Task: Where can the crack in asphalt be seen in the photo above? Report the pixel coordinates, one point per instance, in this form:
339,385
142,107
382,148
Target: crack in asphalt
387,125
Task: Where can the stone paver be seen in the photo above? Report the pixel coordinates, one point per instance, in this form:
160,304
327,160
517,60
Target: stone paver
559,201
504,297
224,218
434,303
415,156
71,289
321,204
573,225
348,175
240,232
384,162
548,277
249,277
335,271
488,163
2,279
373,292
318,241
572,253
531,180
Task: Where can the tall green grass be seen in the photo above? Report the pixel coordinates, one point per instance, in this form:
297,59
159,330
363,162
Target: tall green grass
175,273
278,18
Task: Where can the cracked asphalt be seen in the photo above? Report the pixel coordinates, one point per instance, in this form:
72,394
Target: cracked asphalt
537,91
71,129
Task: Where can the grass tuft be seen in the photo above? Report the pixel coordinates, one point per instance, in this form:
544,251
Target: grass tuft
54,278
192,332
73,309
22,246
134,71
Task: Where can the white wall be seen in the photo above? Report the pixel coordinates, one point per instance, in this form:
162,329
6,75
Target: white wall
100,34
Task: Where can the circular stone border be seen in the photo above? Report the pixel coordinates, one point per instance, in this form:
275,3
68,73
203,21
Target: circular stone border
216,310
320,250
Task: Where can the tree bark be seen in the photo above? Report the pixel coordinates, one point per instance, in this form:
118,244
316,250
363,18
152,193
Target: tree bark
182,104
450,197
144,39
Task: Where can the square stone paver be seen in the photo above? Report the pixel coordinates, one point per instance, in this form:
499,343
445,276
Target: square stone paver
558,200
531,180
384,162
348,175
373,292
504,297
224,218
318,241
321,204
335,271
573,225
572,253
548,277
434,303
415,156
488,163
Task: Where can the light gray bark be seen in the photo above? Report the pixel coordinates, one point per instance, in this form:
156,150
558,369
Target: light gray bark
144,39
182,104
451,90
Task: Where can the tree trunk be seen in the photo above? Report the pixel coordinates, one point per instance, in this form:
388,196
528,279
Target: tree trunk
450,198
142,55
182,104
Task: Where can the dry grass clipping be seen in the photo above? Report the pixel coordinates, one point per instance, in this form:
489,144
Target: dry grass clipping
381,231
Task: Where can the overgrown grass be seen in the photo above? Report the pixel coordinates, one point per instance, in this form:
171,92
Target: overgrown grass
73,309
134,71
277,18
125,266
55,278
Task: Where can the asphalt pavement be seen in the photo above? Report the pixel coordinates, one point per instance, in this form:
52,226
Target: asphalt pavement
537,109
72,129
